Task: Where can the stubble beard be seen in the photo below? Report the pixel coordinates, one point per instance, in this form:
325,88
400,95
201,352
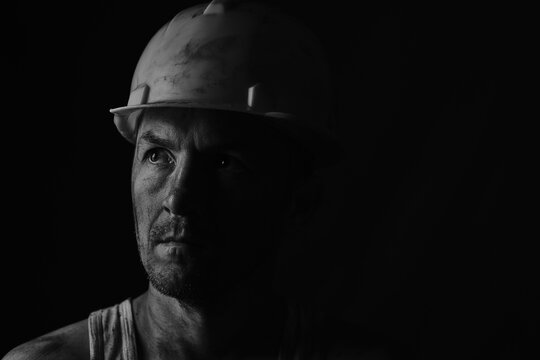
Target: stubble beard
168,282
168,279
187,286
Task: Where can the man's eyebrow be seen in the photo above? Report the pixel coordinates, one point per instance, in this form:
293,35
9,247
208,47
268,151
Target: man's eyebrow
231,145
150,137
241,146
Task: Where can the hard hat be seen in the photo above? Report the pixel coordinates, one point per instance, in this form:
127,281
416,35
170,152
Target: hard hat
237,56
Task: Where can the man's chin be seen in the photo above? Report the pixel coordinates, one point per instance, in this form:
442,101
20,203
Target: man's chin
170,284
174,281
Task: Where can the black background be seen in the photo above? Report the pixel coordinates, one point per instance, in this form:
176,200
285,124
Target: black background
430,215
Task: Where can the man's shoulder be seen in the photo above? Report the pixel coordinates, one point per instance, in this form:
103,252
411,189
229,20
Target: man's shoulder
69,343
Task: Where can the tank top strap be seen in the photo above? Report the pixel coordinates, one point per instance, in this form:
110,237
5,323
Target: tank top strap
112,333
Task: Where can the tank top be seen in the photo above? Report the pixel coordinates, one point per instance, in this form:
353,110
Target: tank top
111,334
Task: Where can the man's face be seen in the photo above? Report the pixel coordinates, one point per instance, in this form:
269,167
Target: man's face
210,196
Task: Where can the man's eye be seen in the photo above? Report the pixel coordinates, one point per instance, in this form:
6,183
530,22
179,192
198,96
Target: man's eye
223,162
159,157
227,162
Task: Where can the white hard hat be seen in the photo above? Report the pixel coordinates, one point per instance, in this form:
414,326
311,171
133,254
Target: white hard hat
237,56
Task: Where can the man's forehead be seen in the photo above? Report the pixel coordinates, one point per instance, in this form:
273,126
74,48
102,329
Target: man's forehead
208,126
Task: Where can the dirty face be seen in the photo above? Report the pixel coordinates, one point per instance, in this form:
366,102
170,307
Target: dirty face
210,199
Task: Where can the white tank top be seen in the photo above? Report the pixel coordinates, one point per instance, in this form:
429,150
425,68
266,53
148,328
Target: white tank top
112,335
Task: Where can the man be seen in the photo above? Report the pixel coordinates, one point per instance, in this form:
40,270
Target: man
228,111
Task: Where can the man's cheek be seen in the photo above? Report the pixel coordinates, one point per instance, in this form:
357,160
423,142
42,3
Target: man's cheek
146,195
245,219
143,214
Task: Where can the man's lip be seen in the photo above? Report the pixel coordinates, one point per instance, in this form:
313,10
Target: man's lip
180,240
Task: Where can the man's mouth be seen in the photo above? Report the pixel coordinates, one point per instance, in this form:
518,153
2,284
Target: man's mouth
177,233
180,240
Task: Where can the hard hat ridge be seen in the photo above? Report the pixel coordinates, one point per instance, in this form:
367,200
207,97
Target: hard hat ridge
220,6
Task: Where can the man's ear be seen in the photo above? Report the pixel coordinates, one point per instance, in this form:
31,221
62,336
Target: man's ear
305,200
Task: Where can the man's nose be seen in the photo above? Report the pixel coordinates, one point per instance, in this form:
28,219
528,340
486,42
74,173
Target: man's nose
184,189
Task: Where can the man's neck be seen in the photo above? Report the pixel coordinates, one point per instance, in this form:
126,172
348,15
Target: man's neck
244,323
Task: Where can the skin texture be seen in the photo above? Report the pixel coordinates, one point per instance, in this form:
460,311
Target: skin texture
70,342
217,187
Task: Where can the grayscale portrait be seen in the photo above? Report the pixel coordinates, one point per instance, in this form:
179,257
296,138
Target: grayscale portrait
251,179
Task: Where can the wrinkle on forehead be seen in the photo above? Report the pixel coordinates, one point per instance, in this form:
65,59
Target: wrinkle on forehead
173,125
202,127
